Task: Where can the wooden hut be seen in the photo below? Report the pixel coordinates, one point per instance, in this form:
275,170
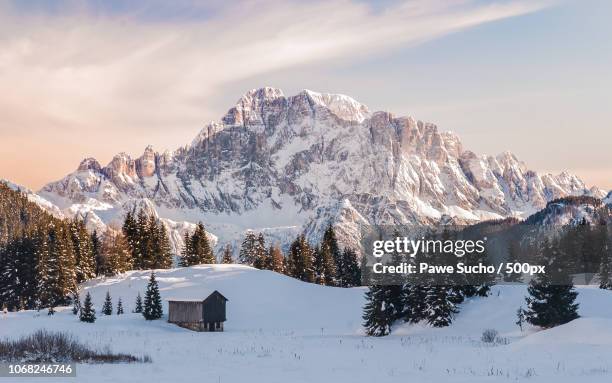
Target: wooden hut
197,314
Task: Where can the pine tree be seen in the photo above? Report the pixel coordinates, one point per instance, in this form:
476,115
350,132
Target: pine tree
97,254
152,301
551,300
83,250
138,307
88,313
300,260
335,264
277,260
440,308
227,255
107,308
350,274
187,252
324,265
132,235
247,255
260,254
416,306
76,303
605,274
119,307
383,306
115,255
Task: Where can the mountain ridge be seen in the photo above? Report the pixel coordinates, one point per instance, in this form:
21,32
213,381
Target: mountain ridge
285,164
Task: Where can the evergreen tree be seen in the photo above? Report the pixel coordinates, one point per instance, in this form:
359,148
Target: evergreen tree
260,254
107,308
336,266
76,303
247,255
88,313
131,232
160,252
551,300
138,307
440,308
96,251
324,265
350,274
226,258
383,306
605,274
116,257
277,260
197,249
83,251
119,307
300,260
187,252
152,301
201,246
415,304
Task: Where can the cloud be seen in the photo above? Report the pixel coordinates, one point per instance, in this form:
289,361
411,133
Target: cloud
78,72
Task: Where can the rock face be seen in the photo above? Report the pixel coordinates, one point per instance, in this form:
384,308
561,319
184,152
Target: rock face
288,164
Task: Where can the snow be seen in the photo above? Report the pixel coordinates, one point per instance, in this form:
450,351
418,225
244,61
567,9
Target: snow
283,330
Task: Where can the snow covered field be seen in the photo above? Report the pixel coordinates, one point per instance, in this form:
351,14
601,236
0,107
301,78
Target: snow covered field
283,330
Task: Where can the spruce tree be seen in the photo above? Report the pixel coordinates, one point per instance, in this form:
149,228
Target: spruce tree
226,258
247,255
107,308
260,253
440,308
277,259
336,267
88,313
97,254
350,275
551,300
324,265
382,308
201,246
186,252
132,235
119,307
83,250
138,307
152,301
76,303
605,272
300,260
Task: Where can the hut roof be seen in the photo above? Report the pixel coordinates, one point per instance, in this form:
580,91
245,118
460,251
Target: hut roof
206,294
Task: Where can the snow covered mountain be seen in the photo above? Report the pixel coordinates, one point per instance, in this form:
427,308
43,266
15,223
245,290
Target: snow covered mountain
284,165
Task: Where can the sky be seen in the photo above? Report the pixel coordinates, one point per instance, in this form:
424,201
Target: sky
94,78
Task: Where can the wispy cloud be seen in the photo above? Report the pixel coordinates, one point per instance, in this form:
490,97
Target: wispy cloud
81,71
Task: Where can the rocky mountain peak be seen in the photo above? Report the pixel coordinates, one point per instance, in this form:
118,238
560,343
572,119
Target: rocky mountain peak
295,164
89,163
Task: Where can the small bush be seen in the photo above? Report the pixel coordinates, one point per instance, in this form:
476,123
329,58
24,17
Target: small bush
489,335
58,347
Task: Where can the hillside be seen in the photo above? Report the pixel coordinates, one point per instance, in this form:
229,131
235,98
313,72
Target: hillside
281,330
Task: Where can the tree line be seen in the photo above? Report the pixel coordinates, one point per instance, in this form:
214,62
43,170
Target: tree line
324,264
44,258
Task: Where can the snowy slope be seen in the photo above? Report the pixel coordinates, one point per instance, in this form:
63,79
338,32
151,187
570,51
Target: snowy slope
283,330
